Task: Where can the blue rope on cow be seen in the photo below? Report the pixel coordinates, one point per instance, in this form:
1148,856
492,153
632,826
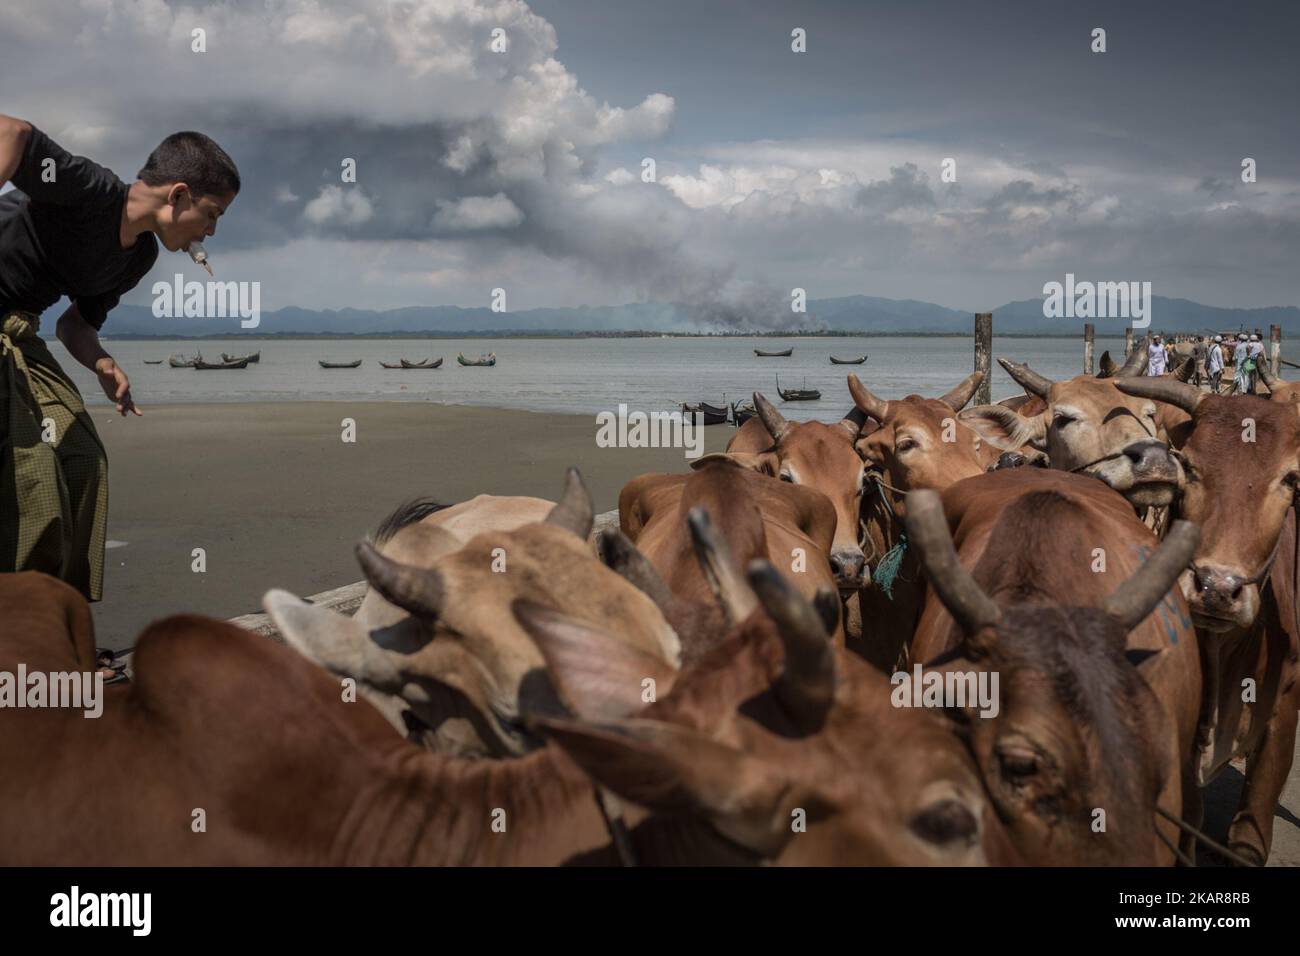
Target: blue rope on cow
887,570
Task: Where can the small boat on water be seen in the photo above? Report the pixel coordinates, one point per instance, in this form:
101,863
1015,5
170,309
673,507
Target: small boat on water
227,357
762,353
483,360
712,414
742,412
176,360
797,394
242,363
153,361
840,361
427,363
356,364
397,364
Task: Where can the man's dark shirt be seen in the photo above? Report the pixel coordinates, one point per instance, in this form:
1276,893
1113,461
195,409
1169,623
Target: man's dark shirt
64,237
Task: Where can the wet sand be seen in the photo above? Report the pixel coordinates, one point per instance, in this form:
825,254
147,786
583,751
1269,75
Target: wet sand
277,499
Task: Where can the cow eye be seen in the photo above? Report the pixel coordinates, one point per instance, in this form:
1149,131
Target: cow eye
1018,763
1060,420
947,822
905,444
1292,481
786,476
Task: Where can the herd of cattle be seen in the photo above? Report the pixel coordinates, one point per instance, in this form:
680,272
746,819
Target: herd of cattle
711,682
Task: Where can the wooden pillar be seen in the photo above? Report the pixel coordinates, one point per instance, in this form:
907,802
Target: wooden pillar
1275,348
1128,341
1088,333
984,356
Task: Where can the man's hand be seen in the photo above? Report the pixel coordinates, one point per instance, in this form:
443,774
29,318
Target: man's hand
115,385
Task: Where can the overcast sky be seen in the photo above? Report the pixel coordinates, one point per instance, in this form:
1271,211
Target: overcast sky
775,169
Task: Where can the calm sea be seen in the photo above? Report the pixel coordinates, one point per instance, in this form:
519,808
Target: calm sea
574,375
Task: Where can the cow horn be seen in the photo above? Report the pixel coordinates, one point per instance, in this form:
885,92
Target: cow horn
418,590
867,403
621,555
1186,397
957,398
773,420
1271,381
961,594
1136,363
1027,378
806,687
1184,370
1106,365
1135,598
853,422
574,512
724,579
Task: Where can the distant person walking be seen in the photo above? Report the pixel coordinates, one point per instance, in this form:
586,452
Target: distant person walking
1156,357
1201,354
1241,361
1214,363
1255,349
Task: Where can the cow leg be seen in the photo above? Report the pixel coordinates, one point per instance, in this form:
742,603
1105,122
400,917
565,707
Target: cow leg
1251,831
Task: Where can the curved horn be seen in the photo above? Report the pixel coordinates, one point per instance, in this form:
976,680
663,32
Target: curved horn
773,420
574,512
806,687
853,422
1184,370
1137,597
867,403
1136,363
957,398
621,555
418,590
1186,397
961,594
1106,366
1271,381
1027,378
724,579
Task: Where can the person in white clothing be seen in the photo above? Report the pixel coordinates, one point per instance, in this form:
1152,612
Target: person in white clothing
1156,357
1214,364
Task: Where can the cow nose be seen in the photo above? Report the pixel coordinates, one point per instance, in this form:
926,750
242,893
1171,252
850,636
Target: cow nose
1150,454
1216,588
847,564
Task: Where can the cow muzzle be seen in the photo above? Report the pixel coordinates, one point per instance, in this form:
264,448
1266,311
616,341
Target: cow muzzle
1144,473
1222,599
848,564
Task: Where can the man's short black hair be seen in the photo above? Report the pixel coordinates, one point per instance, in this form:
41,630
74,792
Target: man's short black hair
193,159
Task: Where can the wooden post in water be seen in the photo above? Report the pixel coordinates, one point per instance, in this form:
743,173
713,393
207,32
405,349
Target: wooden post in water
984,356
1128,341
1275,348
1088,332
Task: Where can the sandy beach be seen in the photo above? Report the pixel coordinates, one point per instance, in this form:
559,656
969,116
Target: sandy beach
277,499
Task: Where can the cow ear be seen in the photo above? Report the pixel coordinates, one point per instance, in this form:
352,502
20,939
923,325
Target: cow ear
339,644
596,675
1003,428
673,769
763,462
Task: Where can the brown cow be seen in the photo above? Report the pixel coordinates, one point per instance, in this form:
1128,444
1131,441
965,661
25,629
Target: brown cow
1243,468
789,524
1029,594
1089,426
450,647
821,457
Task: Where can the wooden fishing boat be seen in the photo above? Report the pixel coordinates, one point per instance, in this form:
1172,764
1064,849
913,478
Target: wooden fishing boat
483,360
840,361
356,364
242,363
176,360
255,357
797,394
742,412
762,353
397,364
153,361
712,415
427,363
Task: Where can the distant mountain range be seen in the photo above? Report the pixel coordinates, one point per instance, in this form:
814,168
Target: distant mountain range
855,313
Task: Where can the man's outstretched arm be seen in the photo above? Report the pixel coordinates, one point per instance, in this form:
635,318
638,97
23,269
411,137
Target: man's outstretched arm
81,340
13,141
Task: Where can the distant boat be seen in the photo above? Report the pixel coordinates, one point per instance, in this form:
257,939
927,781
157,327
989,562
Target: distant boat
485,360
742,412
840,361
713,415
242,363
176,360
397,364
427,363
153,361
356,364
797,394
255,357
761,353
